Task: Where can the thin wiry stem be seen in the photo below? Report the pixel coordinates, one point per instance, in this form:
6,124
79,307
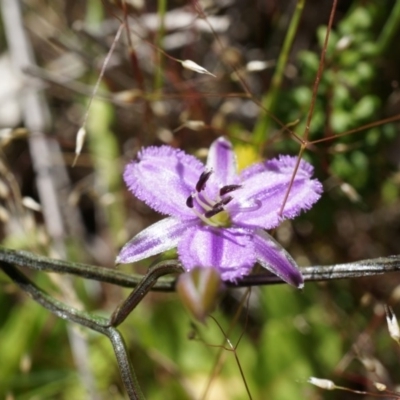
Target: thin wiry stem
316,273
319,72
145,285
91,321
41,263
244,302
320,273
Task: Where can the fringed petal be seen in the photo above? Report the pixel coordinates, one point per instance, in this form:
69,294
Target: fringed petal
260,199
157,238
164,177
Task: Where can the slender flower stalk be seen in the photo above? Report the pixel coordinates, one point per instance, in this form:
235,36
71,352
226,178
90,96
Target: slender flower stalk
217,217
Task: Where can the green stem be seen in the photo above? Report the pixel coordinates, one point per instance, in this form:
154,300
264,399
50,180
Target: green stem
145,285
324,273
317,273
390,29
94,322
41,263
260,134
104,150
128,375
55,306
161,11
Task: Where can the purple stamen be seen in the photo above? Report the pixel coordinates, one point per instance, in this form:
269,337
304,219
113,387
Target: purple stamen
228,188
223,202
190,201
216,210
201,184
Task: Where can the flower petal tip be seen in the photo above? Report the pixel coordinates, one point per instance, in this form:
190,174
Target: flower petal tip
293,277
120,259
271,255
300,285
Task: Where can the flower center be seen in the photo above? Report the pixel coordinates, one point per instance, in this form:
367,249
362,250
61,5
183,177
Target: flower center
211,212
222,219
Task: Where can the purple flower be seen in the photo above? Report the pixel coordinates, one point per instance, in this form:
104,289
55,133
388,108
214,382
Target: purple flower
217,217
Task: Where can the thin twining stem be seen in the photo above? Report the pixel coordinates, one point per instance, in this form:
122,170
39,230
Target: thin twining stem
375,266
145,285
108,275
320,273
97,323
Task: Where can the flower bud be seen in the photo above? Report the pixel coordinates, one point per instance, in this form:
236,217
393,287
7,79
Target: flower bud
199,290
393,325
32,204
322,383
344,43
256,65
188,64
380,386
80,140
